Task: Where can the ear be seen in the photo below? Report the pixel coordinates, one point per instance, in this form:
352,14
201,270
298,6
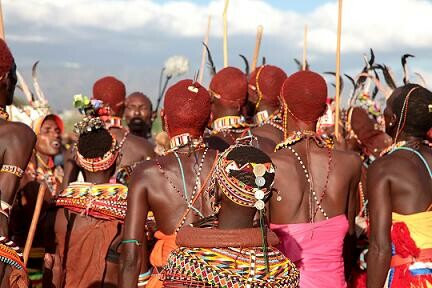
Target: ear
393,120
211,118
154,116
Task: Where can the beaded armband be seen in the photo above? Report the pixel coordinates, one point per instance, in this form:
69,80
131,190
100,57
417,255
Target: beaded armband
12,169
10,254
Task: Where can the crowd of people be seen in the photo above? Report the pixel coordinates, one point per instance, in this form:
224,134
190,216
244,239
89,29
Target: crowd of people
252,183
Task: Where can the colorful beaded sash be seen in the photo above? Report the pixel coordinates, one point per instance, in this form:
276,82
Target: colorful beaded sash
229,267
10,254
104,201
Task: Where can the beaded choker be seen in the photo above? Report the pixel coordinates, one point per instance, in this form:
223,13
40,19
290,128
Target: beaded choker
112,122
399,144
297,136
3,114
228,123
184,139
263,118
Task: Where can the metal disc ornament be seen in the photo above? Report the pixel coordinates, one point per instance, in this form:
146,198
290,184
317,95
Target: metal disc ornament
260,181
259,194
259,170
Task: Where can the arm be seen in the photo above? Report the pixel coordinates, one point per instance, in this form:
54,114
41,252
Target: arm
132,255
380,209
351,239
71,169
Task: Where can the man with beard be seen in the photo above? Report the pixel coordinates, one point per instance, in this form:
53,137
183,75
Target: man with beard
400,195
112,93
16,144
172,186
139,114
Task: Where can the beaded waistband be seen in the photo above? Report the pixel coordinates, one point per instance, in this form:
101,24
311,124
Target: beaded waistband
10,254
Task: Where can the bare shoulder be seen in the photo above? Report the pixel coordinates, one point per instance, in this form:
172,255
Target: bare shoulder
140,144
348,158
19,133
383,165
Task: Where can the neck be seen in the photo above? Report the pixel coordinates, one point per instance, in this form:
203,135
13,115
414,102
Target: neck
296,125
269,107
101,177
43,160
222,111
140,133
409,138
226,122
184,142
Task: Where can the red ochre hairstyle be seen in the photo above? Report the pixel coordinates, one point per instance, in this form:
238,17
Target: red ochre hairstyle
6,58
187,108
110,91
305,94
270,80
230,84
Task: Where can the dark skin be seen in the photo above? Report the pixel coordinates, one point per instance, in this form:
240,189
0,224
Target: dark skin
341,190
167,205
15,149
221,108
139,106
397,182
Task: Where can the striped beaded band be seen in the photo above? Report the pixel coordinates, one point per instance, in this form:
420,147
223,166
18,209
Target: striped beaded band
237,191
99,163
10,254
12,169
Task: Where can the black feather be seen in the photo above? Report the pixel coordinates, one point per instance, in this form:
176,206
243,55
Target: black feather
210,60
299,64
264,60
387,76
376,90
246,64
372,58
340,79
404,65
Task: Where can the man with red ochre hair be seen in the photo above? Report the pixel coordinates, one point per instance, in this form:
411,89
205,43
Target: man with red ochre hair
173,194
228,89
16,145
112,93
264,87
314,205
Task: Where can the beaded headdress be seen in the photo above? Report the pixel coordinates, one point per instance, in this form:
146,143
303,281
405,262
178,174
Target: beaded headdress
87,125
237,191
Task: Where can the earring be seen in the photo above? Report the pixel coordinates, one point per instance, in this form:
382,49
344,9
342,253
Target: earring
391,124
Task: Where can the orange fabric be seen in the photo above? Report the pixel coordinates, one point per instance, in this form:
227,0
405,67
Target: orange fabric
159,255
37,124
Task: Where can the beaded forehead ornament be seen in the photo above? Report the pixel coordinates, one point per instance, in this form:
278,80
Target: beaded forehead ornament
239,192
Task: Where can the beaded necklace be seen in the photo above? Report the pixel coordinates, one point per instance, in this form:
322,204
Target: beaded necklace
3,114
113,122
275,119
235,124
297,136
179,141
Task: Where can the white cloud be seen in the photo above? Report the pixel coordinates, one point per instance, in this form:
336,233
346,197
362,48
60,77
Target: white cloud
368,23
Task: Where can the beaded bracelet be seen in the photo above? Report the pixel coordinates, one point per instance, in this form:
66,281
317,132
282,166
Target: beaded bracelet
144,278
127,241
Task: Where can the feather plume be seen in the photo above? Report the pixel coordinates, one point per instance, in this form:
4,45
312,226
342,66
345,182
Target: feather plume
422,80
405,67
375,91
378,84
299,64
246,64
210,60
24,88
390,81
37,88
264,60
340,79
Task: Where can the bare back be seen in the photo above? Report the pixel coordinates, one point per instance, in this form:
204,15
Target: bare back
268,132
292,186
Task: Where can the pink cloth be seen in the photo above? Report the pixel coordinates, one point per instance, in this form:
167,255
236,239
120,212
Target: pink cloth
316,249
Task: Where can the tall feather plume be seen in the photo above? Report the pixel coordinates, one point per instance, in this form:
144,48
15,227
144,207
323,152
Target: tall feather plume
264,60
340,79
378,84
351,99
210,60
246,64
376,89
390,81
422,80
22,85
36,85
299,64
405,67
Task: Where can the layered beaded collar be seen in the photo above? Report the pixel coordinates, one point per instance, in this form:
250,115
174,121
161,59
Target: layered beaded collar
3,114
228,123
297,136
